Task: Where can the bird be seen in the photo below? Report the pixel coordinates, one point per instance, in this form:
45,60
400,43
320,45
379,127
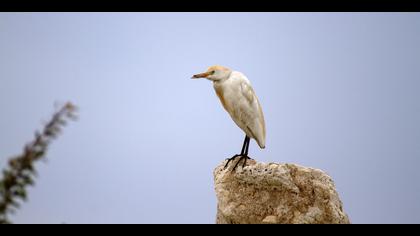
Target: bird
239,99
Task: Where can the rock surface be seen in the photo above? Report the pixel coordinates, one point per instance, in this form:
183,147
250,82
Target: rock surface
274,193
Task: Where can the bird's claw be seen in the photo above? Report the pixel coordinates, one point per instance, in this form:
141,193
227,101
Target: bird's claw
242,157
231,159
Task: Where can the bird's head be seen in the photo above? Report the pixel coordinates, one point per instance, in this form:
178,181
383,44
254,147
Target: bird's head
214,73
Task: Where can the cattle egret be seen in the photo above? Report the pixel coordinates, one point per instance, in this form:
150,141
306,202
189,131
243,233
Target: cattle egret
240,101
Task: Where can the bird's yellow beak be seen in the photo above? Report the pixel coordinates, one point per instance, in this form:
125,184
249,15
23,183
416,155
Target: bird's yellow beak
201,75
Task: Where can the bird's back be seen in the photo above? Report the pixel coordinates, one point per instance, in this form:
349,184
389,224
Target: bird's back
240,101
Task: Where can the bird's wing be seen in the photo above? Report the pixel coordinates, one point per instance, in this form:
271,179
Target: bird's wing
254,117
247,91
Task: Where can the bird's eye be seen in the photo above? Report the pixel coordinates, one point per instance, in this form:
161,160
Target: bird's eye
213,72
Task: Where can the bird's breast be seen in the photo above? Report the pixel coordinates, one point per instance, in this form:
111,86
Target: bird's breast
230,97
220,93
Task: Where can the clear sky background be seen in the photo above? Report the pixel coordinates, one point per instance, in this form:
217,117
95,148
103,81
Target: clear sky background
340,92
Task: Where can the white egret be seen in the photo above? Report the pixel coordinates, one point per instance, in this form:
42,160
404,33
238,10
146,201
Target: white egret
240,101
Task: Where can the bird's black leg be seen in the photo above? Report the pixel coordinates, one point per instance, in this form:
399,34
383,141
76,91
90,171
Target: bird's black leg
238,155
244,155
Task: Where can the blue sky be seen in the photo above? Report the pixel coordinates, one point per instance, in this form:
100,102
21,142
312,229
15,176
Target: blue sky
340,92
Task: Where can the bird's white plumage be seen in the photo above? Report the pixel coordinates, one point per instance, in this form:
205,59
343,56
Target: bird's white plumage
240,101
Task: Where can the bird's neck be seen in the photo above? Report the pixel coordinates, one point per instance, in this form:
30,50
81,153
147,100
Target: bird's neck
221,81
218,82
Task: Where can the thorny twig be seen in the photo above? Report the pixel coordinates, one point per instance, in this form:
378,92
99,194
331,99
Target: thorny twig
21,168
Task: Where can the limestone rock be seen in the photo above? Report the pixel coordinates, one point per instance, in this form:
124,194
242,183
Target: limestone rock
274,193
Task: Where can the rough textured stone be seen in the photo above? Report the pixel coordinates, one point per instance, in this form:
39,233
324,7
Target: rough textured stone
276,193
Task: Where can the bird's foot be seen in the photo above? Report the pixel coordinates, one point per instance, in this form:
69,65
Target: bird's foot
231,159
242,157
